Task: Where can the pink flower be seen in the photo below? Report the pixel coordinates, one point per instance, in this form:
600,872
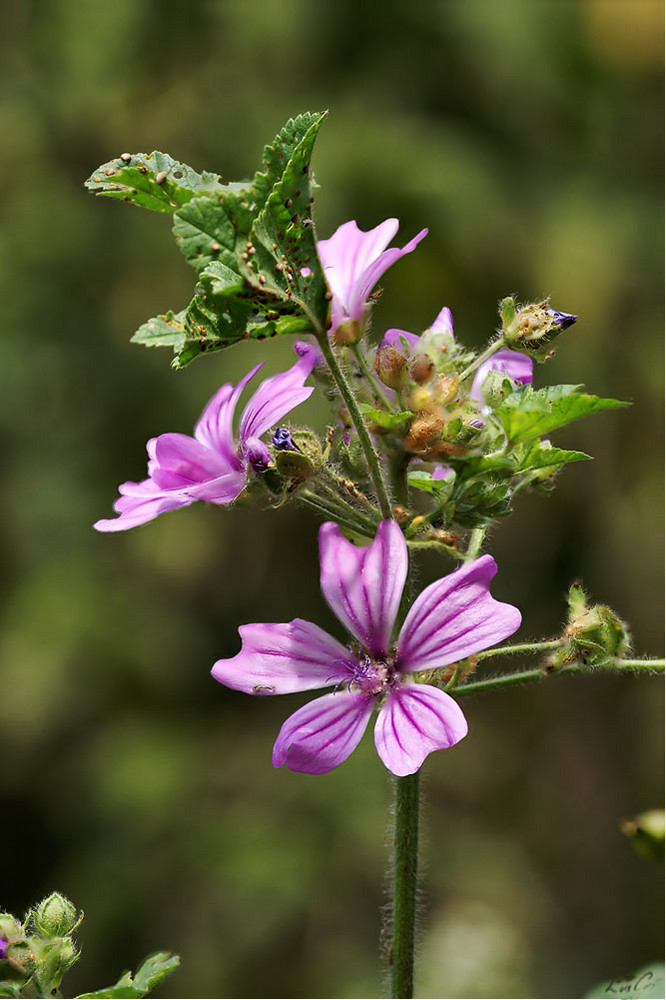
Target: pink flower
451,619
516,366
211,466
353,263
442,323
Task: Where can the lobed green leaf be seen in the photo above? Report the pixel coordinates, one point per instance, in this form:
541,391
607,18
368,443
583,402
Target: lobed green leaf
529,413
382,418
150,974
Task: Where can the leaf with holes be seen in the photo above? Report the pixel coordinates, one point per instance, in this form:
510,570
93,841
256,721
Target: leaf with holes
152,180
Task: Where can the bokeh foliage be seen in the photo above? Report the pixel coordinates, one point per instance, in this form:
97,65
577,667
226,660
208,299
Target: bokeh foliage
528,136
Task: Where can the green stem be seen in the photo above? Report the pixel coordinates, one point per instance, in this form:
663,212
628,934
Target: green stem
522,676
370,378
475,543
359,423
488,353
521,647
405,875
329,510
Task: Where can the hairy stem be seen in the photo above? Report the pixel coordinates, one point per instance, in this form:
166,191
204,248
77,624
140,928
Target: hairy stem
475,543
488,353
520,647
405,874
348,396
523,676
330,510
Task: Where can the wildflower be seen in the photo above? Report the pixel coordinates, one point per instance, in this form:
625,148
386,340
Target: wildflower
451,619
442,324
211,466
353,262
516,366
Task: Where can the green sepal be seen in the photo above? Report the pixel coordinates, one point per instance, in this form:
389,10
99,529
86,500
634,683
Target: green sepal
478,502
9,989
150,974
135,181
529,413
422,480
384,419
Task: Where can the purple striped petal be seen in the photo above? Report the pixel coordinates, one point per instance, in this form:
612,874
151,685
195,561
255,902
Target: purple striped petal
363,585
278,394
354,260
323,733
180,461
518,367
453,618
282,658
215,427
139,503
415,720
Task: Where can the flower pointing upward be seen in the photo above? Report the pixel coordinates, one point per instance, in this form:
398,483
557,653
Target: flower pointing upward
451,619
211,466
354,261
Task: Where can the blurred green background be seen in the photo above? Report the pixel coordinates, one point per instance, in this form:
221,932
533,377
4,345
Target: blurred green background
528,137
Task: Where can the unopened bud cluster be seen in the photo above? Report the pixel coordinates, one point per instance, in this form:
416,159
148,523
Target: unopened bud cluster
37,952
532,327
594,636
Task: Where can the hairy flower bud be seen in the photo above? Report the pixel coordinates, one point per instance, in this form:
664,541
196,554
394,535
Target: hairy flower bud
446,389
349,332
391,366
421,367
298,454
595,636
533,326
422,399
424,429
55,916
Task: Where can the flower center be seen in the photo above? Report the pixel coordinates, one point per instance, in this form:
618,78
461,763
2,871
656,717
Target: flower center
373,676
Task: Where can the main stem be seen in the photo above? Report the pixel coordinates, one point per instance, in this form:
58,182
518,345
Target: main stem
359,423
405,874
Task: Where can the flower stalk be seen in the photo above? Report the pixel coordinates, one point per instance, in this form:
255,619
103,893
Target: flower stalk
405,876
359,423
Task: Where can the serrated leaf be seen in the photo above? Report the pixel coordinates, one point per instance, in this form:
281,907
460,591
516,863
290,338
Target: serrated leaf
150,974
528,413
282,256
225,310
389,421
543,458
136,181
167,330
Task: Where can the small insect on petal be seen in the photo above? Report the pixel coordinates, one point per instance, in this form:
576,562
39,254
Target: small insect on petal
161,177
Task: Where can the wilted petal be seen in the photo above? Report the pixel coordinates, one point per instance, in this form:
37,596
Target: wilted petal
282,658
277,395
363,584
516,366
453,618
215,427
415,720
323,733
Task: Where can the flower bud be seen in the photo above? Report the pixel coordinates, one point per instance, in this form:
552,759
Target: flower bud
9,927
446,389
646,833
349,332
424,428
595,636
421,399
257,454
391,366
534,326
298,454
421,367
55,916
